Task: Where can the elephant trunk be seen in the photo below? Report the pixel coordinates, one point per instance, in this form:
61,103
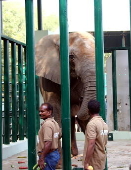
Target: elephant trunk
89,93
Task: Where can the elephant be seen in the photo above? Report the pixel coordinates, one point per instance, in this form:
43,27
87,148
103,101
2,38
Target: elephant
82,76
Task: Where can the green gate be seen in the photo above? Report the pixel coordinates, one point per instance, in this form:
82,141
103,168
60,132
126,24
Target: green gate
14,119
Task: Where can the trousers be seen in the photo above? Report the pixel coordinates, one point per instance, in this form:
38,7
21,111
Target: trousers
51,160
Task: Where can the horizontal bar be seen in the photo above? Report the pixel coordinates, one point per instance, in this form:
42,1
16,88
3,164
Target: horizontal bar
116,48
4,37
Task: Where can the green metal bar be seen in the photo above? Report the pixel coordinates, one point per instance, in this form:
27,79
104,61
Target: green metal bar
0,92
129,60
39,14
114,88
4,37
25,61
37,105
116,48
21,102
31,92
6,92
99,51
65,85
14,103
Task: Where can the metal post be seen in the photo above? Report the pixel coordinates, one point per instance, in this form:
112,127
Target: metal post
6,92
99,51
0,94
37,105
21,102
39,14
14,95
114,87
65,85
31,92
25,108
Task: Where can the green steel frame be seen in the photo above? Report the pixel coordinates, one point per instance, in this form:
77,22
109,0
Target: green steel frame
31,91
14,111
6,93
65,85
114,87
14,94
21,99
39,14
99,53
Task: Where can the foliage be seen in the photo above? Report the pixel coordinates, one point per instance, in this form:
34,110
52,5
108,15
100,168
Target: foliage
14,20
51,23
106,56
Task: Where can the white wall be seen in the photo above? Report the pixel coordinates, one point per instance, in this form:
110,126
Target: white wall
123,114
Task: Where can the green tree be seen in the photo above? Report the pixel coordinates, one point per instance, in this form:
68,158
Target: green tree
51,23
14,20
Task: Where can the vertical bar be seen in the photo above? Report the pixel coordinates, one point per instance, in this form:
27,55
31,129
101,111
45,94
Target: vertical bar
39,14
114,86
65,85
14,103
25,106
99,51
21,102
129,59
6,92
0,92
31,92
37,105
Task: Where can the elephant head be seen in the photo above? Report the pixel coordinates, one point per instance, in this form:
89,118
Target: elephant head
82,63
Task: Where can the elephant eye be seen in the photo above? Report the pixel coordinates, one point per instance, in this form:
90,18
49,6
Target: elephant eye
71,57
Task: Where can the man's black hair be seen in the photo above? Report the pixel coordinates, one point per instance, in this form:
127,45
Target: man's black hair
49,106
94,106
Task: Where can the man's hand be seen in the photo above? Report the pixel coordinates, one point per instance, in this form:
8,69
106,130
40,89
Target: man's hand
41,163
86,166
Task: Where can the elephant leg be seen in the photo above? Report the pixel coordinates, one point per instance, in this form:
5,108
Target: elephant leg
74,149
82,124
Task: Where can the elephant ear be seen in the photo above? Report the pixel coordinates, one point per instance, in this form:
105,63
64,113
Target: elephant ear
47,58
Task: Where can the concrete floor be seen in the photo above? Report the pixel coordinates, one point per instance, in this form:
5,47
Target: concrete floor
118,158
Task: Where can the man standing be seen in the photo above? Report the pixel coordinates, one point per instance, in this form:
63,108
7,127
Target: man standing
49,136
96,136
